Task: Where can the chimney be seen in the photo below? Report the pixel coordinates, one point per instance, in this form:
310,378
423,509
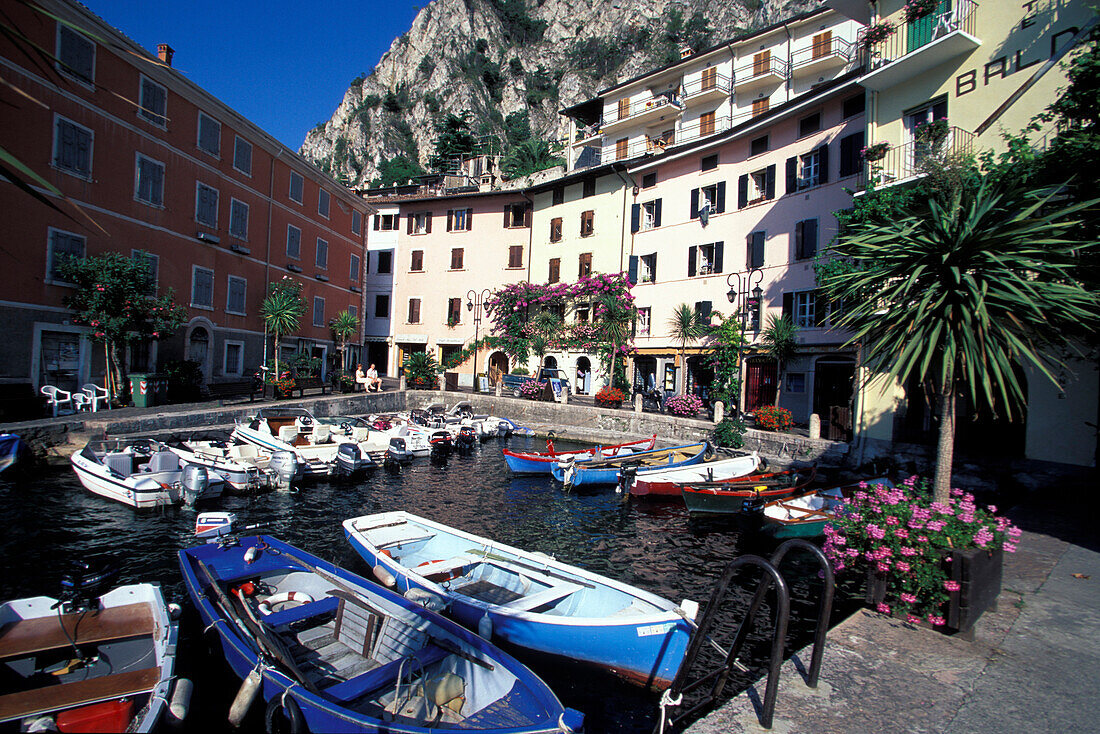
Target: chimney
686,51
165,52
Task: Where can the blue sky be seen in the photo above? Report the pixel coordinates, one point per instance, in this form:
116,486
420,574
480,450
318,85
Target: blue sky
283,64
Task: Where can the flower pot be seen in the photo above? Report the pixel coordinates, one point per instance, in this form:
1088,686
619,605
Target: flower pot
977,572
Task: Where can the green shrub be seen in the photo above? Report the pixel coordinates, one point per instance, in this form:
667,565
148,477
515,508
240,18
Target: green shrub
426,66
771,418
730,433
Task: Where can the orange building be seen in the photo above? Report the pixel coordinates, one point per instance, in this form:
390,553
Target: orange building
220,207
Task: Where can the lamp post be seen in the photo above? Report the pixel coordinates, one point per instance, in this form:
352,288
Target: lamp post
474,301
747,290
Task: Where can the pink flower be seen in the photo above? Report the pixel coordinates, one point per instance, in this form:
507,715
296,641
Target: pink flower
956,493
875,531
951,585
993,508
908,598
883,566
891,520
911,619
1009,547
982,537
907,551
903,567
936,621
883,608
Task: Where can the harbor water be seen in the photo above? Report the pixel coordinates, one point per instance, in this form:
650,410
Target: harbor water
50,521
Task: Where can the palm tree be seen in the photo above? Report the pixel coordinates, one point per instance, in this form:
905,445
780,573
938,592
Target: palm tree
421,370
959,294
780,341
282,311
544,328
614,327
344,326
528,157
685,326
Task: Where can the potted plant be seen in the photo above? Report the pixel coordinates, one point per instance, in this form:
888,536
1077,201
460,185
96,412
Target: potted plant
532,389
877,33
684,405
931,134
284,386
772,418
875,151
933,563
422,371
917,9
610,397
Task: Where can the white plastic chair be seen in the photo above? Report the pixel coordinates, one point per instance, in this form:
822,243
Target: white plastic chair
96,394
81,401
57,398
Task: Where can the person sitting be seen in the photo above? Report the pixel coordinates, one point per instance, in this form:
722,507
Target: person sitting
373,380
360,378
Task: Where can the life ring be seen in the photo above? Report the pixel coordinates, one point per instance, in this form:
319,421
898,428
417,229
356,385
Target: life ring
293,712
266,606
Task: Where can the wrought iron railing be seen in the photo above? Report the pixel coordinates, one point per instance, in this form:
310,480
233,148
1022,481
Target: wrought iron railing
915,157
718,82
908,38
834,46
649,144
773,65
625,112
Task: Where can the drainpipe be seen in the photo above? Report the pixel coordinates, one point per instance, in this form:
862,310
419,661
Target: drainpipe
790,62
628,181
267,258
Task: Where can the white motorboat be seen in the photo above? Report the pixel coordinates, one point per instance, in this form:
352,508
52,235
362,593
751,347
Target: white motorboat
322,446
142,472
245,467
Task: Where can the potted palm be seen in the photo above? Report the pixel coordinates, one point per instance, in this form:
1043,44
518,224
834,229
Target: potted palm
422,371
282,313
344,327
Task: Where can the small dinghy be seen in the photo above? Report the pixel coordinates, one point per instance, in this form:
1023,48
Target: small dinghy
93,660
666,483
337,653
531,462
528,599
14,453
744,494
142,472
608,470
806,515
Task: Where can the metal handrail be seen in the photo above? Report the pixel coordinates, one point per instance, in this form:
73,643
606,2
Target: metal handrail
720,82
642,105
837,46
909,38
776,65
906,161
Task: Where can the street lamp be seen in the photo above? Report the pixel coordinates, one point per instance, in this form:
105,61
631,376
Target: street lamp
748,291
474,301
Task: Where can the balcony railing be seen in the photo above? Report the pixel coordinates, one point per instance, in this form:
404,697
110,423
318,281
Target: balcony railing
658,144
660,103
834,50
760,72
915,158
706,85
909,38
589,156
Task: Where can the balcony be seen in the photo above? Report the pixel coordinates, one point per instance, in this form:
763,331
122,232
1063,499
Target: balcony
760,72
917,47
643,111
824,55
911,161
706,89
589,155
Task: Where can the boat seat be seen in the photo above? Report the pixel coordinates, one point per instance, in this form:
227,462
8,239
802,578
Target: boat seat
356,623
65,695
446,566
360,434
327,605
162,461
403,532
288,433
322,432
542,598
29,636
383,675
119,463
246,451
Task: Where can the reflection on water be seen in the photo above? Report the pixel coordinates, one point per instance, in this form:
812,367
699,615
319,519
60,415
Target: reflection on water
52,520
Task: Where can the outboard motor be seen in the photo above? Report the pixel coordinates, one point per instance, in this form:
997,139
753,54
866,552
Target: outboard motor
398,451
84,583
212,525
504,428
467,438
626,478
283,467
348,458
195,480
441,442
418,417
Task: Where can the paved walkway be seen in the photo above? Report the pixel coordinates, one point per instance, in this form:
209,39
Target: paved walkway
1034,663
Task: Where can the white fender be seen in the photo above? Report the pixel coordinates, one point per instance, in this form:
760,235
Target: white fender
266,606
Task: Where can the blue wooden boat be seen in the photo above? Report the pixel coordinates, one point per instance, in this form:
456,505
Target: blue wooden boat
13,452
533,462
528,599
337,653
607,470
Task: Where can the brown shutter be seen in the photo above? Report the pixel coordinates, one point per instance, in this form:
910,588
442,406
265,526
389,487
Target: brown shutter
411,218
710,78
760,106
428,223
469,219
822,44
624,108
528,211
450,219
761,62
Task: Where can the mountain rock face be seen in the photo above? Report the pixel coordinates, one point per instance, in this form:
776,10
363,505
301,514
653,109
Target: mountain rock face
495,58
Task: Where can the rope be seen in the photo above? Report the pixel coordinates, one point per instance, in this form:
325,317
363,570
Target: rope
562,726
666,702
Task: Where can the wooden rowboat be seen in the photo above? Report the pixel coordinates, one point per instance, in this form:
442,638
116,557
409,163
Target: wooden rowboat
806,515
531,462
608,471
666,483
735,497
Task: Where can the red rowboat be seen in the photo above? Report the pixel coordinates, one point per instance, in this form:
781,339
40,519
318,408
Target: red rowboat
532,462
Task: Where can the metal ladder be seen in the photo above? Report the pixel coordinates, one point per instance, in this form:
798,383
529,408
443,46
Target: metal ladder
720,674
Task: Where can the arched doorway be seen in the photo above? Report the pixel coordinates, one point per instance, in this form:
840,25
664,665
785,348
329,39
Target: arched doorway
833,381
498,367
198,349
550,363
584,376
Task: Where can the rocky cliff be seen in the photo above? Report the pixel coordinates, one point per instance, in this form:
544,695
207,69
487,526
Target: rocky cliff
499,57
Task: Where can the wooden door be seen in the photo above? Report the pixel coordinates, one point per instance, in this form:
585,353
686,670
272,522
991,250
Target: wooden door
710,78
823,44
760,383
761,63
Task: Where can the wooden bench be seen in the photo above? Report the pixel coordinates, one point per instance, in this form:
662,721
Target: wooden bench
542,598
232,389
301,384
65,695
28,636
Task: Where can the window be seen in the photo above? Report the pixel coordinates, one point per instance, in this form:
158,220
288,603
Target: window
355,268
805,239
382,306
760,106
557,196
242,155
515,215
809,125
588,223
323,200
238,219
297,185
206,205
585,268
321,260
920,116
233,358
414,310
588,188
454,311
709,163
515,256
851,162
706,123
62,246
385,261
707,201
583,310
149,187
385,222
621,146
416,263
318,311
624,108
420,223
72,148
756,187
705,259
796,382
456,258
758,146
805,309
555,229
202,288
152,264
353,310
755,250
703,310
293,242
154,102
234,300
647,268
76,54
854,105
210,135
645,216
459,220
710,78
356,222
555,270
649,180
644,317
808,170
